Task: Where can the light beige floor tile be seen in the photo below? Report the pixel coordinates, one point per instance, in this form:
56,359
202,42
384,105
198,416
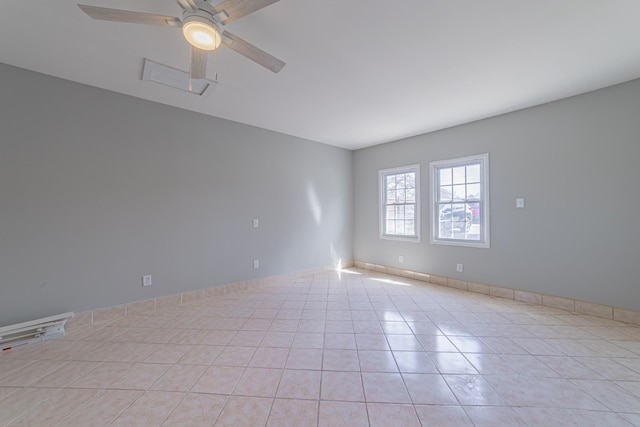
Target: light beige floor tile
345,386
304,358
262,382
442,416
521,390
201,355
385,414
235,356
284,325
286,413
247,338
473,390
308,340
243,411
218,380
278,339
259,322
415,352
66,375
376,341
102,409
367,327
55,409
269,357
31,373
489,416
339,326
470,345
609,368
311,325
103,375
452,363
340,360
383,387
140,377
610,394
23,400
150,409
168,353
543,417
570,368
299,384
436,343
342,414
414,362
428,389
340,341
218,337
179,378
377,361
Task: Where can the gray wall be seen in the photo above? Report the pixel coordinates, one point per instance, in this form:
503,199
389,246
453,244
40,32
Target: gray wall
574,161
98,189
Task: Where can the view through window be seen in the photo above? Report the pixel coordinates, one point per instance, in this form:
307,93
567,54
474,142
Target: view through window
460,202
399,203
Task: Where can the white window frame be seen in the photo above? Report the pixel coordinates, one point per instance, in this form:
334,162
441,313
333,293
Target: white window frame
484,241
383,203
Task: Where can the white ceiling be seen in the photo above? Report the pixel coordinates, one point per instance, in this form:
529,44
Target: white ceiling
359,72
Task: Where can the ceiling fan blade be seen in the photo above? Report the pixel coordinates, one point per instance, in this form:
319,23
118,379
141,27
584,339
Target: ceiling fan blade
236,9
188,4
252,52
198,67
117,15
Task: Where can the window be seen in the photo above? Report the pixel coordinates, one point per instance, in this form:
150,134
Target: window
399,208
460,201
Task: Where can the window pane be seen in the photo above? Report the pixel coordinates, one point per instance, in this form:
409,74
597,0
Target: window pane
399,198
411,195
459,192
411,180
391,196
445,176
410,228
400,181
473,173
446,192
391,181
391,213
473,191
459,210
409,212
391,227
459,176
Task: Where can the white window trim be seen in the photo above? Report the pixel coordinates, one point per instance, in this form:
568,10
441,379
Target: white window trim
435,217
381,200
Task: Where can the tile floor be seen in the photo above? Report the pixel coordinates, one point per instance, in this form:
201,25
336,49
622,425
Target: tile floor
350,349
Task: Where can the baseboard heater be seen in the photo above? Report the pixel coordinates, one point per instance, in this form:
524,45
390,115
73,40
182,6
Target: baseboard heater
33,331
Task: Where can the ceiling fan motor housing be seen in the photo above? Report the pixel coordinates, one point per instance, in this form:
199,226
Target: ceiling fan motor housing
201,29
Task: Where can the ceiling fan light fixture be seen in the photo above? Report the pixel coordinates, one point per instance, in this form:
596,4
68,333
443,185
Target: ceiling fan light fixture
200,33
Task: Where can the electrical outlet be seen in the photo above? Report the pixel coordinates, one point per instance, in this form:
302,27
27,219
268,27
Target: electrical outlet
146,280
459,267
520,203
401,259
256,263
256,223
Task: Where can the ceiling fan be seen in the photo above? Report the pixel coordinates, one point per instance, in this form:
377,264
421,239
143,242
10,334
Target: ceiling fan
202,25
